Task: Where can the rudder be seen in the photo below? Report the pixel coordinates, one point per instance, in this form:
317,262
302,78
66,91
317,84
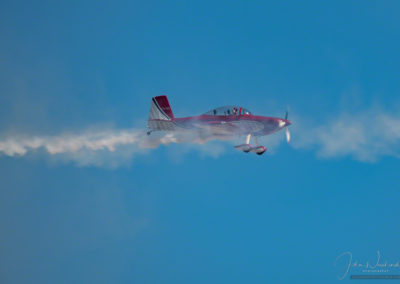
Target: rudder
161,115
160,109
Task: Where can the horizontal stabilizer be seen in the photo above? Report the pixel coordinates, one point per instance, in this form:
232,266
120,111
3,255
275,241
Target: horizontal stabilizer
159,124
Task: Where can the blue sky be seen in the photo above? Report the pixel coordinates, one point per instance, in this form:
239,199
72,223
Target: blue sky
187,213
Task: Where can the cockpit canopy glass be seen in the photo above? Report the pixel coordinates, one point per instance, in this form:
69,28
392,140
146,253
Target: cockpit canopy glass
228,110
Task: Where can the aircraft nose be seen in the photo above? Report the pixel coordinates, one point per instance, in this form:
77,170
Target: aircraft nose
284,123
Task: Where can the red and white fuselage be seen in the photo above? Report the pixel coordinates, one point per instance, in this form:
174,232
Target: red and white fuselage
222,121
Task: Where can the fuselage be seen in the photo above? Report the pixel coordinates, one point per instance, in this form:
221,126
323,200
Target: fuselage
233,124
225,121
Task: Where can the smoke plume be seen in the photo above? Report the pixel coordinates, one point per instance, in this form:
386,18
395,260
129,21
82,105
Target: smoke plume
364,136
106,147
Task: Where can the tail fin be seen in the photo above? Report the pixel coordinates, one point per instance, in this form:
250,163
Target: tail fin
160,109
161,115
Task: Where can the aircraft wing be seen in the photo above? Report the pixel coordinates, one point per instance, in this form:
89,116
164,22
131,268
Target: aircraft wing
218,127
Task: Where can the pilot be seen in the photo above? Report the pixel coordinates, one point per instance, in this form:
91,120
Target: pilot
215,112
235,111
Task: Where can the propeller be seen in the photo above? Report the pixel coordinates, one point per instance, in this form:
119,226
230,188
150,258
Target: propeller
287,134
286,128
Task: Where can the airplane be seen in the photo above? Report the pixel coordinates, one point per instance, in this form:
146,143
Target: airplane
228,121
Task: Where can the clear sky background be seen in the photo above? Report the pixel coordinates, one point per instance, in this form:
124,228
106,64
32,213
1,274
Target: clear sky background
199,213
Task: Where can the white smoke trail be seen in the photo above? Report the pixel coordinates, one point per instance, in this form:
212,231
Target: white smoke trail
105,147
365,136
20,145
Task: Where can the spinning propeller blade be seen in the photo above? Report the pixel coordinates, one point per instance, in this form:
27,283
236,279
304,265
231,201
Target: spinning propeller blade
287,134
286,128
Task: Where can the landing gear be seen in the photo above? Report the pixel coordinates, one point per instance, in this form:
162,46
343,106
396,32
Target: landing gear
248,139
259,150
261,153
